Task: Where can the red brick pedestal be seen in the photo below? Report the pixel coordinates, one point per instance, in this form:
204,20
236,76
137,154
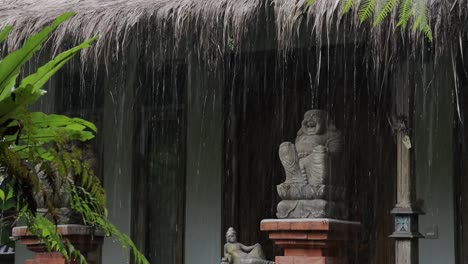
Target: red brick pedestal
312,241
84,238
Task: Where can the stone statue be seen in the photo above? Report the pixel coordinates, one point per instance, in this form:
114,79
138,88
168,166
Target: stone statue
54,193
237,253
314,181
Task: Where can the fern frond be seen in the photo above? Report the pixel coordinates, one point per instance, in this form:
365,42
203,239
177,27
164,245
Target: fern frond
420,13
405,13
367,9
47,231
426,29
311,2
348,5
90,209
389,6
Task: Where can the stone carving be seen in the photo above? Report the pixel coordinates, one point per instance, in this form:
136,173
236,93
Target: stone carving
314,182
237,253
57,195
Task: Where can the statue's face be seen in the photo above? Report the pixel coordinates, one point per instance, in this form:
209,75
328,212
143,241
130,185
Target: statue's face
313,124
231,238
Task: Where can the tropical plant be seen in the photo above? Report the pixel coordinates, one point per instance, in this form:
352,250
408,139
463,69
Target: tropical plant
379,10
35,144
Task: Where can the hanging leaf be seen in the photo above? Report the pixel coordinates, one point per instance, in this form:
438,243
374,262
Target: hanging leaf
311,2
10,66
389,6
367,9
349,4
4,33
40,119
405,13
43,74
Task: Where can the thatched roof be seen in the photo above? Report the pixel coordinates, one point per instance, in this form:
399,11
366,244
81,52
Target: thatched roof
206,25
113,20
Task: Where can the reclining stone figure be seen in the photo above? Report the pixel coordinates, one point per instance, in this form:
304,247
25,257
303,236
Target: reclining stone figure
237,253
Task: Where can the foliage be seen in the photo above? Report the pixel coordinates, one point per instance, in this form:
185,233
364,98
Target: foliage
35,145
418,10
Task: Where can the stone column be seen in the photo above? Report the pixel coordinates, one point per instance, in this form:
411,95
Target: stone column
312,241
86,239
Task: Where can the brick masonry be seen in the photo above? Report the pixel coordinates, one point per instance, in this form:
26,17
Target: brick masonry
84,238
312,241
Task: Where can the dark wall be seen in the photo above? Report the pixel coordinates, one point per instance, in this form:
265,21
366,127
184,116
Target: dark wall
158,190
267,96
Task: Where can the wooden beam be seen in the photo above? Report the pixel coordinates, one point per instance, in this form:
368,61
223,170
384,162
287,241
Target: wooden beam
406,214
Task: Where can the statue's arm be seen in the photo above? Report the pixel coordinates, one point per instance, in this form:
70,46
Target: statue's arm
227,256
248,248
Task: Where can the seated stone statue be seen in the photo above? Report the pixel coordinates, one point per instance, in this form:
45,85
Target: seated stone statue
314,185
308,160
237,253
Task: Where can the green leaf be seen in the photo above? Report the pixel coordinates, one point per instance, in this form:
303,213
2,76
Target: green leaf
8,205
43,74
405,13
10,66
18,99
9,87
2,195
420,12
386,10
311,2
40,119
349,4
4,33
367,9
11,192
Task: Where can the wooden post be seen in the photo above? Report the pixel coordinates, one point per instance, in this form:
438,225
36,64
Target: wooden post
406,212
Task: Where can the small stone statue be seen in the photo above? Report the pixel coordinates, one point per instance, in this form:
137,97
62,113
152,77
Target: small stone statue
237,253
56,195
314,181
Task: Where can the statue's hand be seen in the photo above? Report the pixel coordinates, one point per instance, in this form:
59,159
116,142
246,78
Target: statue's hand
320,149
226,260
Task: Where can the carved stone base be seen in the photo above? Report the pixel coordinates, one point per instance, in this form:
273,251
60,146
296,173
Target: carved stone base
292,191
312,241
290,209
86,239
63,216
308,260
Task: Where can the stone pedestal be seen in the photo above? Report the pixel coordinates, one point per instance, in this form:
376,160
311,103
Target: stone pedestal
86,239
312,241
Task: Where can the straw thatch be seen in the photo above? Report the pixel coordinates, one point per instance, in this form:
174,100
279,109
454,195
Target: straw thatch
204,25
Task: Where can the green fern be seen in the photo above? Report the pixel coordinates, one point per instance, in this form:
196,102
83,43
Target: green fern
94,214
348,5
367,8
405,13
389,6
46,230
311,2
421,22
